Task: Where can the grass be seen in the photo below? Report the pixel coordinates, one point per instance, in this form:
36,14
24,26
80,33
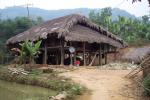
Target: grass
49,80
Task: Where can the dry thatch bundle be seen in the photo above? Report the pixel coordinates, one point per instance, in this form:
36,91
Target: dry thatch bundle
137,55
72,28
146,66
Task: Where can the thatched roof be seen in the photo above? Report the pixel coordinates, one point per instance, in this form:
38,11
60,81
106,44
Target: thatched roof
72,28
137,55
140,1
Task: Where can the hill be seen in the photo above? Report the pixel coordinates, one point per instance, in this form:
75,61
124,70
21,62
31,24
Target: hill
12,12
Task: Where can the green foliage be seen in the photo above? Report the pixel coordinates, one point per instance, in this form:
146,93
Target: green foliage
146,83
29,50
76,89
133,31
11,27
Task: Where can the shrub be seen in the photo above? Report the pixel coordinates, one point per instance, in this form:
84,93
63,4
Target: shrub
76,89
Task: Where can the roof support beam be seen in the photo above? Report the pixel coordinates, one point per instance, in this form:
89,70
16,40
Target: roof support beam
105,52
100,55
62,51
45,53
84,59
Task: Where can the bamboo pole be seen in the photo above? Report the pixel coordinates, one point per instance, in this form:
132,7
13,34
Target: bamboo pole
137,69
93,59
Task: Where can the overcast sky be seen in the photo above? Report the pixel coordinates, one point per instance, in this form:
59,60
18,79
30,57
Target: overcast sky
138,9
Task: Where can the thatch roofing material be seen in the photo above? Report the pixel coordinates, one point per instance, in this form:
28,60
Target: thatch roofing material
64,27
82,33
137,54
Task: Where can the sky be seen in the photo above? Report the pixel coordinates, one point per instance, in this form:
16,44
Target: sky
138,8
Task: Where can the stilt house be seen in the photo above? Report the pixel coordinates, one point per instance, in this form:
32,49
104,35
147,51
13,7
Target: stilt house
90,41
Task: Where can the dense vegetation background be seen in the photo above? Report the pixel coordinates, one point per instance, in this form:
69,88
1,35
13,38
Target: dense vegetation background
134,31
11,27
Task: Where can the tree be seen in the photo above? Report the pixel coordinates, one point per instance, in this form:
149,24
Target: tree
11,27
102,18
133,31
145,19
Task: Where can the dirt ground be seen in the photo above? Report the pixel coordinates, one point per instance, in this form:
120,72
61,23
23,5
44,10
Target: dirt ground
104,84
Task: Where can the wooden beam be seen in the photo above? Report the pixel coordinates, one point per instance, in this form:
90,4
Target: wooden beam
55,47
100,55
115,54
45,53
105,53
89,57
84,59
62,51
57,59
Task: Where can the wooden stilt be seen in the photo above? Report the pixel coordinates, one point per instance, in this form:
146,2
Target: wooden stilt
100,55
105,58
115,54
45,53
57,58
74,58
62,52
105,53
89,57
84,59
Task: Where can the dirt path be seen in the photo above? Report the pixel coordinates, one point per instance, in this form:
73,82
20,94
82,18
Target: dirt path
104,84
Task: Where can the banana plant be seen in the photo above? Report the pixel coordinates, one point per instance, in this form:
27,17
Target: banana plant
29,51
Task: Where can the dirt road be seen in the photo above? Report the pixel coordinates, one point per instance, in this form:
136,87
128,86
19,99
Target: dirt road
104,84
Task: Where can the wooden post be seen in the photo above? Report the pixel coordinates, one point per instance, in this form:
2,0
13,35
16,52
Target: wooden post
74,59
89,57
45,53
84,60
57,58
100,55
62,52
115,55
105,53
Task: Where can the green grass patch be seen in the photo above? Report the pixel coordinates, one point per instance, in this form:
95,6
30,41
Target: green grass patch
49,80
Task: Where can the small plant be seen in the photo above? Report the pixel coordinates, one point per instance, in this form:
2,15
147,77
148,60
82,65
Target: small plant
77,89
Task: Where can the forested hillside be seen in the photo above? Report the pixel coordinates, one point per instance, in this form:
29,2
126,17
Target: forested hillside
134,31
12,12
